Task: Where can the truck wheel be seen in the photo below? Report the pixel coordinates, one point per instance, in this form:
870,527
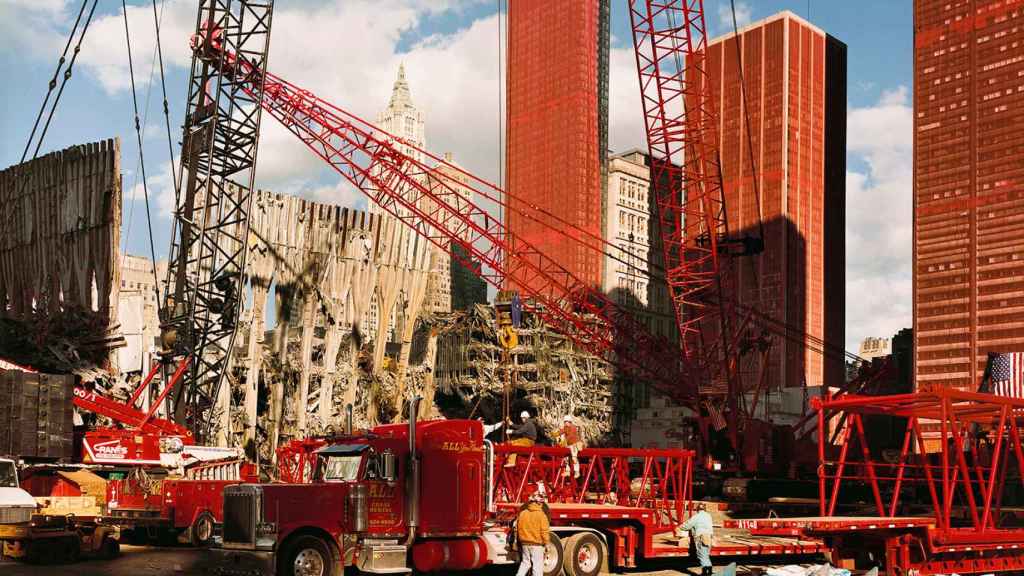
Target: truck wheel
109,549
584,555
553,556
200,533
310,556
72,549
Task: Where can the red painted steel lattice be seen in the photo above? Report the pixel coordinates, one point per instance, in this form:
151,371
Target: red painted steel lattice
670,40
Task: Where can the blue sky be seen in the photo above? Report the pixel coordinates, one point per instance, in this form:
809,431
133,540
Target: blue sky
349,50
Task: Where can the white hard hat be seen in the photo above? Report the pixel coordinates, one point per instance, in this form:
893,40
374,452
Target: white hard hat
524,414
567,418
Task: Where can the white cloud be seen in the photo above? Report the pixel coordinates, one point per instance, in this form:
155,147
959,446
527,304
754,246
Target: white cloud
879,226
744,15
104,51
159,185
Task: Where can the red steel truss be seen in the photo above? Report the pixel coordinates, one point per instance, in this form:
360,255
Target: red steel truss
127,414
660,480
423,198
670,41
949,495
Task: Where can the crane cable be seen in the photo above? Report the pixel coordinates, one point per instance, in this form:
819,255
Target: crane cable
145,122
746,120
53,81
142,160
163,87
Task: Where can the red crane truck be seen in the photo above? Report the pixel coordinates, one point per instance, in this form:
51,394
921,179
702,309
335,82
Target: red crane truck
437,497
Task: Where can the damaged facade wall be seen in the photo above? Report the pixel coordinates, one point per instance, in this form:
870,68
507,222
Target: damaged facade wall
544,371
62,227
59,256
323,267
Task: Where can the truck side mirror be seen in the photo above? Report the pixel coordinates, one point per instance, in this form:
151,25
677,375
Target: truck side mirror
388,466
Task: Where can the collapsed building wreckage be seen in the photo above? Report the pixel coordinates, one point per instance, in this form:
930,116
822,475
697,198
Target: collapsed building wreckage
335,278
468,377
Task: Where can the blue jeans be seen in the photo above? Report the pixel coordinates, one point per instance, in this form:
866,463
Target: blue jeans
531,557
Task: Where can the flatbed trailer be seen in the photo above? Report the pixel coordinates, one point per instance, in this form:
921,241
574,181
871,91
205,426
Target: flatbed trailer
961,454
652,495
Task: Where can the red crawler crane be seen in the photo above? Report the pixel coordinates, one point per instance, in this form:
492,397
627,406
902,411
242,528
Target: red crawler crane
423,198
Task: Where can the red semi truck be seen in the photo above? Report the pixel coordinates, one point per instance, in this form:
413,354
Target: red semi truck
435,496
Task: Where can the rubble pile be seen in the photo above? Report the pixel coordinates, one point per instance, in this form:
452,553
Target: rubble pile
544,370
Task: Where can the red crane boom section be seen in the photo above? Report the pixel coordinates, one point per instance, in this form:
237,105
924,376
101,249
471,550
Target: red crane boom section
670,42
127,414
426,199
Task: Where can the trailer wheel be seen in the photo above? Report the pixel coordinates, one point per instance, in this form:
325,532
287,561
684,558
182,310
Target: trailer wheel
200,533
109,549
310,556
584,555
553,556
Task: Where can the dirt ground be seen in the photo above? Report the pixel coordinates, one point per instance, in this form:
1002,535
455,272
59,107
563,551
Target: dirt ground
152,561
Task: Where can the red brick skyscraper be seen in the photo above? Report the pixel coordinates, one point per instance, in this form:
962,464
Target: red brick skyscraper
795,81
558,122
968,187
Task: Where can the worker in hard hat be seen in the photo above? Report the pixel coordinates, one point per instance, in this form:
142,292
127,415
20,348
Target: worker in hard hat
569,436
701,528
533,533
523,435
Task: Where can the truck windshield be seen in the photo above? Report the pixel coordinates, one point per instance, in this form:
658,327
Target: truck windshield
8,476
342,468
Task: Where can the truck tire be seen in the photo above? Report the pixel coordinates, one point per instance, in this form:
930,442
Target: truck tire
72,549
310,556
109,549
553,556
200,533
584,555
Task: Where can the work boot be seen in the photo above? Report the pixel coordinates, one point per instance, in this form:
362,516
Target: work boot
706,571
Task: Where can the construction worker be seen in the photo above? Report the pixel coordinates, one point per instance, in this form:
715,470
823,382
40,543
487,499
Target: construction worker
533,531
569,436
702,530
523,435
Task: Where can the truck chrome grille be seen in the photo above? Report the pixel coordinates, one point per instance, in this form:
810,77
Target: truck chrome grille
241,515
15,515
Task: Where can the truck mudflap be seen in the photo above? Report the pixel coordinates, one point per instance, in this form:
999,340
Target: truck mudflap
242,562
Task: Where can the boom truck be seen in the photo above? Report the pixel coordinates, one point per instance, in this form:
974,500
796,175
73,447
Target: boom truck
169,487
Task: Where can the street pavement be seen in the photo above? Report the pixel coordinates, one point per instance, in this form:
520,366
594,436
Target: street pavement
180,561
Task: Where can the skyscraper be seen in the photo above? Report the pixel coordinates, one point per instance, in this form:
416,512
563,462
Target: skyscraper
558,124
403,119
968,187
630,225
783,156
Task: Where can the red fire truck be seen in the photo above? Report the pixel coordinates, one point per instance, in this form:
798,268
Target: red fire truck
437,497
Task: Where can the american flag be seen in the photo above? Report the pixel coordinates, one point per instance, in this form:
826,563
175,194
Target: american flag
715,414
1007,374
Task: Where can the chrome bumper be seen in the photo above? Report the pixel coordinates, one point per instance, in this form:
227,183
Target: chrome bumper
226,562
